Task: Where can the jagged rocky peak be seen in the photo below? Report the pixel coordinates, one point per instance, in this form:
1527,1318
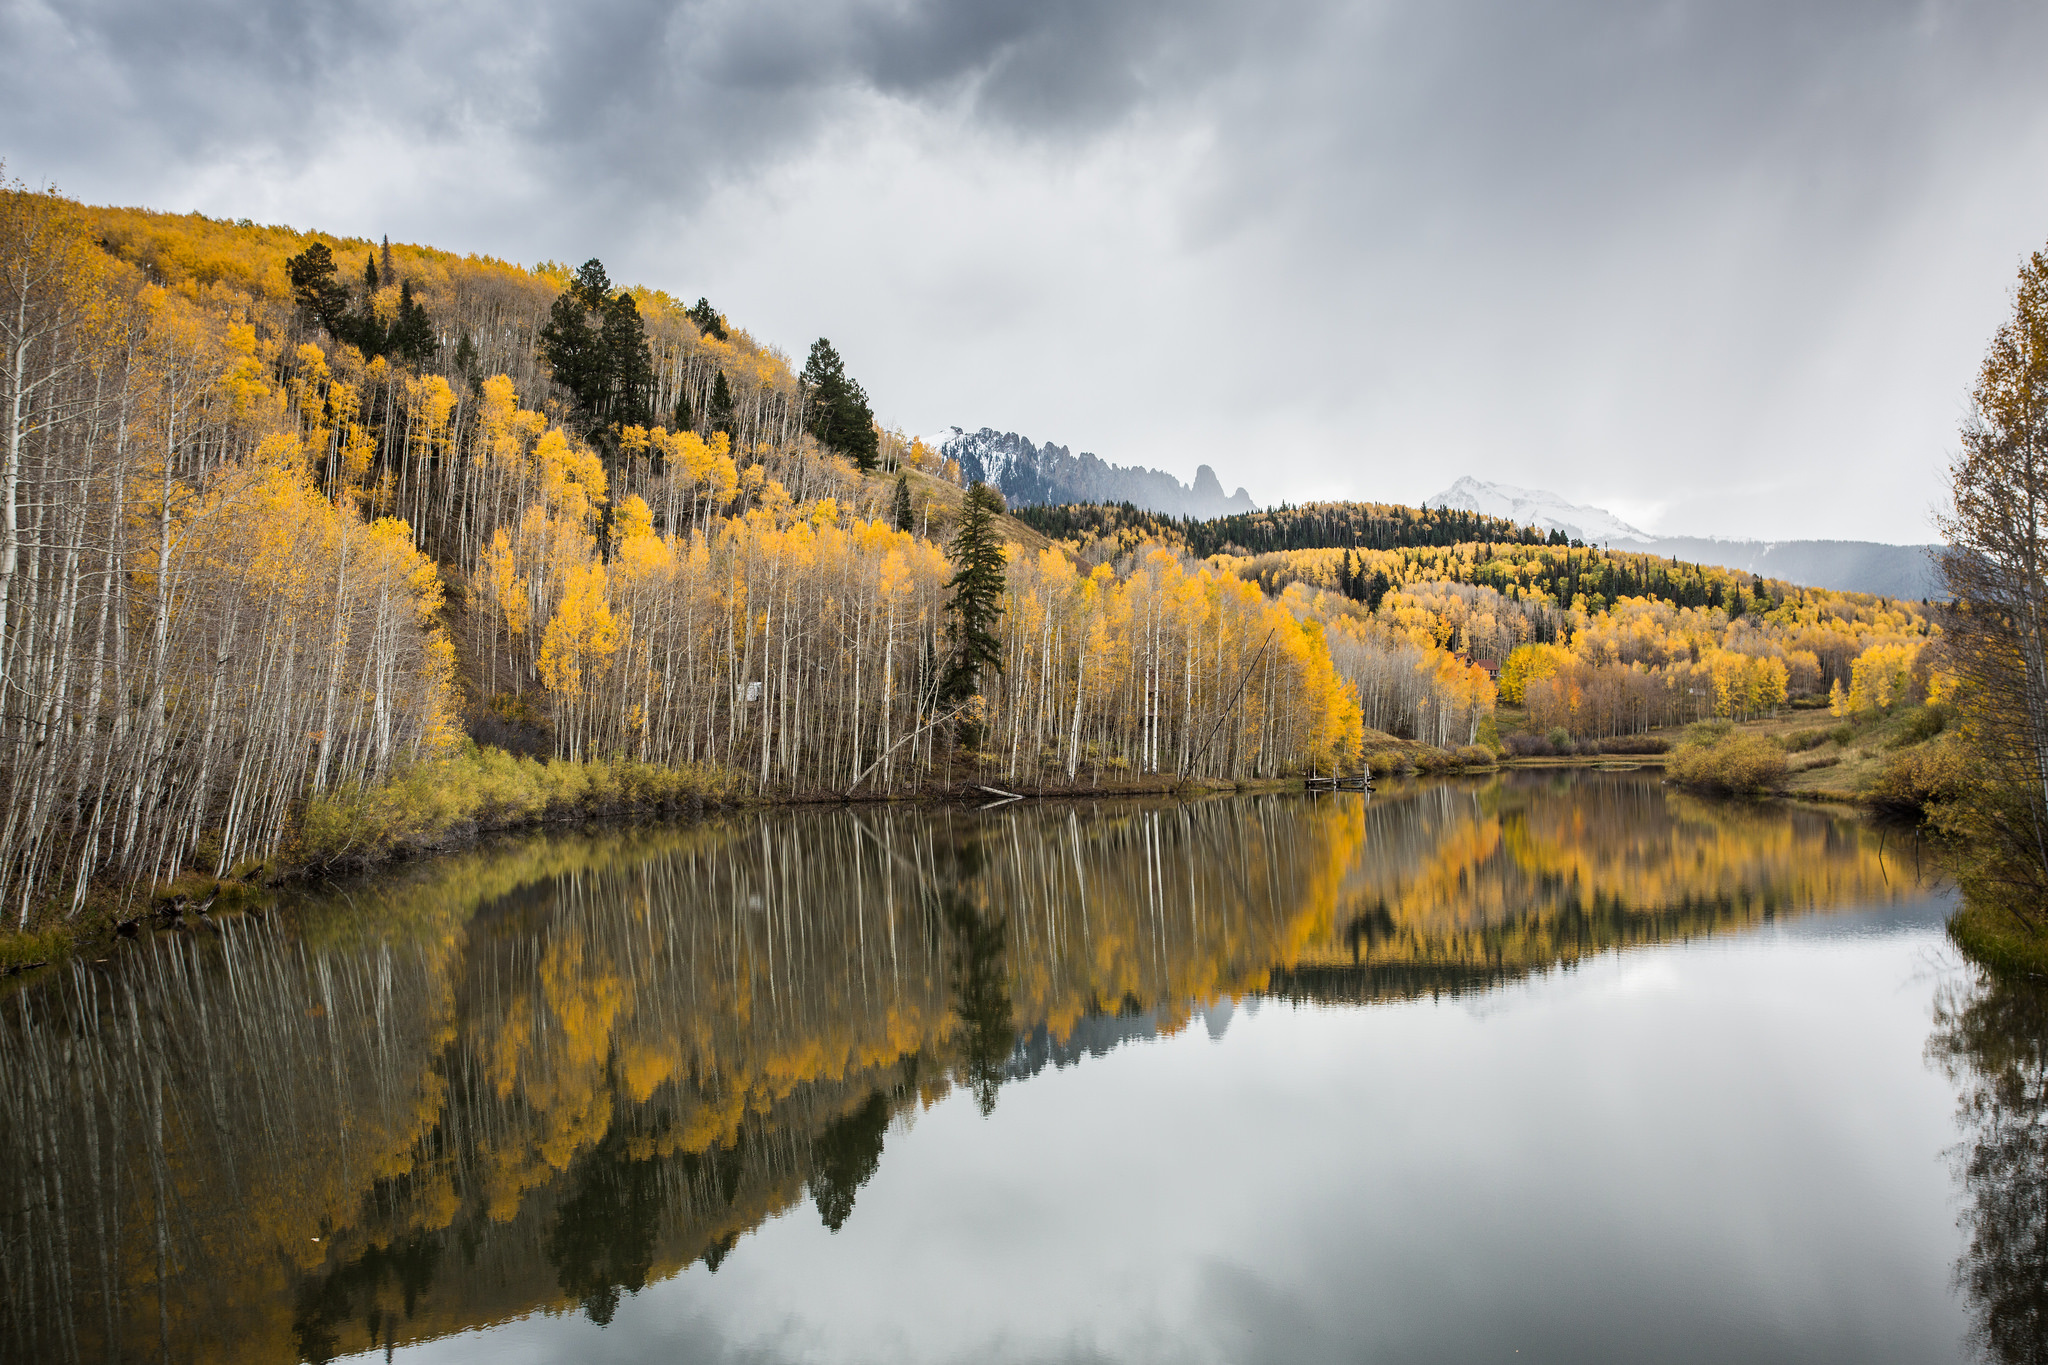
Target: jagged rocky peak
1027,473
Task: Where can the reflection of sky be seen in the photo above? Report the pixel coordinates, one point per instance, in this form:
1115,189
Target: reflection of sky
1719,1151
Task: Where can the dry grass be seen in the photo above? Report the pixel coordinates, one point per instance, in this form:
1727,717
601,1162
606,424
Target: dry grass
943,500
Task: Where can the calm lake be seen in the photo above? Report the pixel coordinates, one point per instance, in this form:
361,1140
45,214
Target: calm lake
1548,1067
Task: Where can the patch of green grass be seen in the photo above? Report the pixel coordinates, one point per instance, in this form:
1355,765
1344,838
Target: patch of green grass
1999,941
33,948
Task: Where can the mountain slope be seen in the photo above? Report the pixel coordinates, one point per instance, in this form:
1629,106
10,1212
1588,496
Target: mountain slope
1536,507
1032,475
1845,565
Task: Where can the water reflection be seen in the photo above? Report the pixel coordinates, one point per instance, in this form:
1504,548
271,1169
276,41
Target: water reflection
1991,1037
550,1075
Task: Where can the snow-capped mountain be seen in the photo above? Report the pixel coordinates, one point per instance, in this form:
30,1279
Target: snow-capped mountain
1030,474
1535,507
1847,565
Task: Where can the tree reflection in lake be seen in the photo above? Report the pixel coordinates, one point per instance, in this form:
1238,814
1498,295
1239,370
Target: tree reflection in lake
1991,1036
549,1075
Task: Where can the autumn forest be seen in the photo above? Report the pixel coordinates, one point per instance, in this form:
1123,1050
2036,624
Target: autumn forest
314,543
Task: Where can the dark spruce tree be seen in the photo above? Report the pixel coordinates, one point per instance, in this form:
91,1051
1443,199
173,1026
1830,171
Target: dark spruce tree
595,342
629,364
571,347
709,323
322,297
976,607
719,410
466,364
836,411
685,420
412,336
900,511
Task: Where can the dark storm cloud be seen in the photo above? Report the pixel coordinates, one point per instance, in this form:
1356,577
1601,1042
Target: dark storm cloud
1600,246
618,87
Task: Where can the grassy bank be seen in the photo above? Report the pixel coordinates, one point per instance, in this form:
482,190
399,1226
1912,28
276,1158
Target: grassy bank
489,789
424,808
444,805
1994,938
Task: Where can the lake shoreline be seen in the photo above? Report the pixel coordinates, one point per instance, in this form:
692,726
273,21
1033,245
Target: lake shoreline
26,953
193,897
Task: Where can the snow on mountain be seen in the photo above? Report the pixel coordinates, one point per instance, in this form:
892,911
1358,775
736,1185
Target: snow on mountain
1535,507
1026,473
1850,565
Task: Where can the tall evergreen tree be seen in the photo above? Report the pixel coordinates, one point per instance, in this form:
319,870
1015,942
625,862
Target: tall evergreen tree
412,335
596,343
707,318
685,420
720,406
977,584
571,347
591,284
323,297
466,363
900,511
837,414
629,364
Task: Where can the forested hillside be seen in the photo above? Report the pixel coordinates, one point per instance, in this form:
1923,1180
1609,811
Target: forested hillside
294,523
289,517
1594,642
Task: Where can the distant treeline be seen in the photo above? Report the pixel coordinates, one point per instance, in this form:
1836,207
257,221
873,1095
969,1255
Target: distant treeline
1516,560
1312,526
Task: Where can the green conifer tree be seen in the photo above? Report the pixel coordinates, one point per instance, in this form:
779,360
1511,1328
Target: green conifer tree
720,407
466,364
412,335
628,384
900,512
977,584
707,318
836,411
323,298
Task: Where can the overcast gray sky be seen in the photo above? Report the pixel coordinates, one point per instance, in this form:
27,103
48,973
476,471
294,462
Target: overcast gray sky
1723,266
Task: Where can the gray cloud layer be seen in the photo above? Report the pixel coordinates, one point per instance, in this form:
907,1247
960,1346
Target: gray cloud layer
1725,266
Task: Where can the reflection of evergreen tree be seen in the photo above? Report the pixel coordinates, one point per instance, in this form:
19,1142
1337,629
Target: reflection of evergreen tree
845,1157
322,1304
603,1238
981,996
1994,1044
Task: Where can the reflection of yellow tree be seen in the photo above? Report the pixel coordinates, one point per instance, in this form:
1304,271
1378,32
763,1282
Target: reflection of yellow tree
1991,1036
689,1011
1511,875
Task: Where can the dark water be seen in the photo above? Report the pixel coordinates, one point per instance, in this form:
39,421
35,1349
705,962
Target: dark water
1563,1068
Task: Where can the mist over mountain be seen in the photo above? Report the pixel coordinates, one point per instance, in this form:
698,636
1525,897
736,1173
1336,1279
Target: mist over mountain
1846,565
1536,507
1027,474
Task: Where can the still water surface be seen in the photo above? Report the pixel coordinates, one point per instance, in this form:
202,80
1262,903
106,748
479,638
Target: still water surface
1545,1068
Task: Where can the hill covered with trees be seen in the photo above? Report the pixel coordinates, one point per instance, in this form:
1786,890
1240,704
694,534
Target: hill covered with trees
312,543
293,519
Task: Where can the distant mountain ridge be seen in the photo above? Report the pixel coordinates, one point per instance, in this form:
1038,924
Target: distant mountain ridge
1536,507
1029,475
1845,565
